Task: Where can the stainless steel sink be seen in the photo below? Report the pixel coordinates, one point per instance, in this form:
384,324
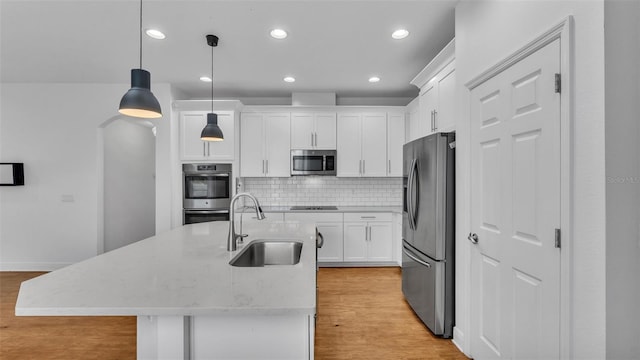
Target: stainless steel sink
268,252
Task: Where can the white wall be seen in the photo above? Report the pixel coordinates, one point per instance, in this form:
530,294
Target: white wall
53,129
622,136
129,183
487,32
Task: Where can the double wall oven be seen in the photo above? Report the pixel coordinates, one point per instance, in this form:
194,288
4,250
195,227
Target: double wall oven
206,192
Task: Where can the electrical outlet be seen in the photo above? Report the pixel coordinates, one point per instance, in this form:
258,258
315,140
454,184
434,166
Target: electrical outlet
67,198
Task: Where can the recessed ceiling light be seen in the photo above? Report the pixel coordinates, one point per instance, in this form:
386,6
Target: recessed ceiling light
289,79
156,34
400,34
374,79
205,78
278,34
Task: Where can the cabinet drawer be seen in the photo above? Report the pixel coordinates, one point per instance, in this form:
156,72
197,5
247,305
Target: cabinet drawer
369,217
314,217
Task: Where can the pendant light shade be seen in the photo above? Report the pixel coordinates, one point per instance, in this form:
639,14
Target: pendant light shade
139,101
212,131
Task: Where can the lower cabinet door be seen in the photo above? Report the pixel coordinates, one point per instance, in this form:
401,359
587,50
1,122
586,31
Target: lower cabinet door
380,244
332,249
355,241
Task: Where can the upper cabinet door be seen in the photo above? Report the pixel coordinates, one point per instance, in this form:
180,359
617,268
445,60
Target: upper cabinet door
374,145
278,147
349,145
395,140
252,149
302,129
313,131
445,115
325,131
414,121
428,104
225,149
192,148
191,125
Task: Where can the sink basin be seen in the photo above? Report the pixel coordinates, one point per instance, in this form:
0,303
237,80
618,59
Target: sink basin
268,252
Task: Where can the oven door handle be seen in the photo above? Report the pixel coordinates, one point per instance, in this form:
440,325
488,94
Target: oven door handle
207,175
206,211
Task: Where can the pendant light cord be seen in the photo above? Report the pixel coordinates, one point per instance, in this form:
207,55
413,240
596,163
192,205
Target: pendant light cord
140,34
212,78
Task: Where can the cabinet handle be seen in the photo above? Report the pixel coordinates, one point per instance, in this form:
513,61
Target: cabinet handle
363,167
204,152
311,139
389,168
263,166
315,139
267,161
367,217
435,118
360,167
208,149
432,120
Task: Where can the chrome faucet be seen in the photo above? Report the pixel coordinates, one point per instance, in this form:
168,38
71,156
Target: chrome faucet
233,237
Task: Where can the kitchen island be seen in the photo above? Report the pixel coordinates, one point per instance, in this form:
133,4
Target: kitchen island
189,301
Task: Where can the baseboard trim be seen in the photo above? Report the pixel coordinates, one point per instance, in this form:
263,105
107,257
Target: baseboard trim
359,264
16,266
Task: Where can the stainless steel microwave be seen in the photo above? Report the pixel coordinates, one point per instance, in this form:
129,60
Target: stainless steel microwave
313,162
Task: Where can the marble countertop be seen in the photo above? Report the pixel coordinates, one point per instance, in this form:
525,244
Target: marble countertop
184,271
392,209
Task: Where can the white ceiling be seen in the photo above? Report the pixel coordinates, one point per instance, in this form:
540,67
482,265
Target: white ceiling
333,46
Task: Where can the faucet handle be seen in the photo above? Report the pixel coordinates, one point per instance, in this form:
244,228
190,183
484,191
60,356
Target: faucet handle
241,237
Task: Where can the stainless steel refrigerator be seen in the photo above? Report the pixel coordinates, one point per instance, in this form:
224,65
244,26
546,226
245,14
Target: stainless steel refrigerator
428,230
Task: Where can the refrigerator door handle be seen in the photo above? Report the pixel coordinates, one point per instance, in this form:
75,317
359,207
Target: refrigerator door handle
412,214
408,252
409,192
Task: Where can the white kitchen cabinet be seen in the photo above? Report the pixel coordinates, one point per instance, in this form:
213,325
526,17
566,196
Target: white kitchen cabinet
395,140
368,237
265,144
192,148
414,124
313,130
437,83
362,145
444,113
428,104
332,249
330,225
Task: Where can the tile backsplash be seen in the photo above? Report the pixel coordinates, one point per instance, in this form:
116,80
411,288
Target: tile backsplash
325,190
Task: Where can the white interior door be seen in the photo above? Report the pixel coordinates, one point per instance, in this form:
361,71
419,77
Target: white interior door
515,209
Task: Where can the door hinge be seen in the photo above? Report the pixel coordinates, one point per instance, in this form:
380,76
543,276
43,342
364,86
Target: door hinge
558,83
558,239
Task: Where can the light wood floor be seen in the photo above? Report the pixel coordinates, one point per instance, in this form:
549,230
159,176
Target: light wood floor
361,315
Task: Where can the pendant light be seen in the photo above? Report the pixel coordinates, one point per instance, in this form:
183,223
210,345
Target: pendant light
139,100
212,131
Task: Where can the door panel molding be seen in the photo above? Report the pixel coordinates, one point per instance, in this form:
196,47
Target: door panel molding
564,32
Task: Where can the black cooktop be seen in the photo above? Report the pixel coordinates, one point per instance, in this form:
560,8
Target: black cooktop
326,207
